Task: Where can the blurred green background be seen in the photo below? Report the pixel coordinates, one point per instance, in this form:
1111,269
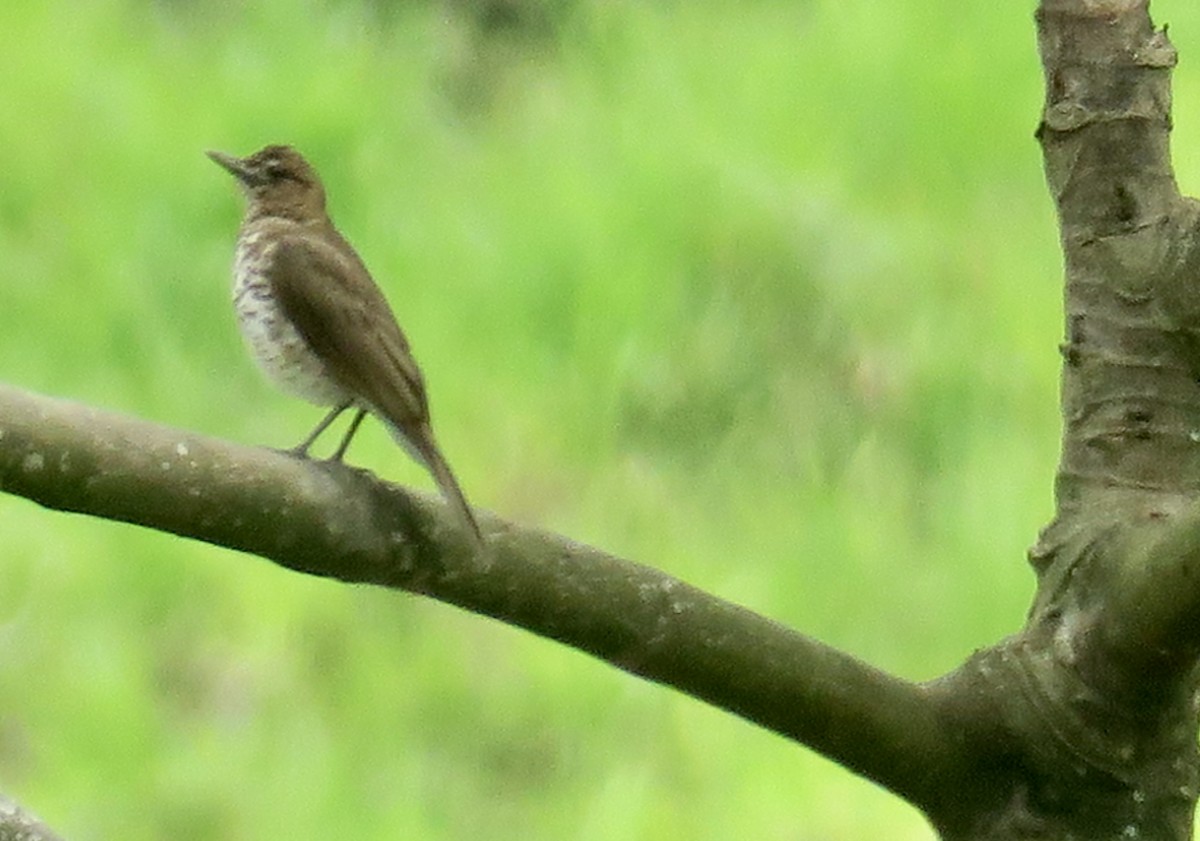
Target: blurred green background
765,294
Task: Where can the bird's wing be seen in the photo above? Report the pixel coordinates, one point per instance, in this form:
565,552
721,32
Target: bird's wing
336,307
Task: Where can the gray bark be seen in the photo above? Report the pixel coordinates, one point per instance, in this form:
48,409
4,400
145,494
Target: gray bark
1082,725
16,824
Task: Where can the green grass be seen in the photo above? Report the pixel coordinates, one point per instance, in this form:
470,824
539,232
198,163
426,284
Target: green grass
764,294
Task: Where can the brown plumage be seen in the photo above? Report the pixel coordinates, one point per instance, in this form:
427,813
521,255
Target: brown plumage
314,319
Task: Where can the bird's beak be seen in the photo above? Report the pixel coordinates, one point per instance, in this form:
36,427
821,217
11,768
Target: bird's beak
235,166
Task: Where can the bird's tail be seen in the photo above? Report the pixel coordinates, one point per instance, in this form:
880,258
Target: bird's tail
422,447
444,476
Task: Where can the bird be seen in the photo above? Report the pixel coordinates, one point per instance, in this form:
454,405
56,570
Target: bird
315,321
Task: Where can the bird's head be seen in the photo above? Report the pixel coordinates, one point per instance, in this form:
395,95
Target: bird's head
277,181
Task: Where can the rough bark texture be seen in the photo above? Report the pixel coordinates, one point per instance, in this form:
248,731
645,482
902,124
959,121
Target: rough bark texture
1080,726
18,825
1099,689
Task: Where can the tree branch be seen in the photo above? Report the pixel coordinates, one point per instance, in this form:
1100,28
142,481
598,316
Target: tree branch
1127,483
331,520
16,824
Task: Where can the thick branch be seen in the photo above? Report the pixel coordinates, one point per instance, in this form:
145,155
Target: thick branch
1151,621
1108,654
18,825
1119,562
331,520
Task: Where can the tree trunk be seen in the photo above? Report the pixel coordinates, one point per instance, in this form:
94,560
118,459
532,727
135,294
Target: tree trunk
1081,726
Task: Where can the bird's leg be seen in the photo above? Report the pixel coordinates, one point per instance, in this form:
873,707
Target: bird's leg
301,449
345,445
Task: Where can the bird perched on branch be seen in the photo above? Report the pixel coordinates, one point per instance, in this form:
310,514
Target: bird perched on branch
314,319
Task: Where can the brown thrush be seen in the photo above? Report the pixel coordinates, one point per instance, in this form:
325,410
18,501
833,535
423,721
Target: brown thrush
314,319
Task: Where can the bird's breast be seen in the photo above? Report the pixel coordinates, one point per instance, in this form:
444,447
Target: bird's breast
278,348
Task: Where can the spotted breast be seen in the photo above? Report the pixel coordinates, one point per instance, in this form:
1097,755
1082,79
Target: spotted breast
276,346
